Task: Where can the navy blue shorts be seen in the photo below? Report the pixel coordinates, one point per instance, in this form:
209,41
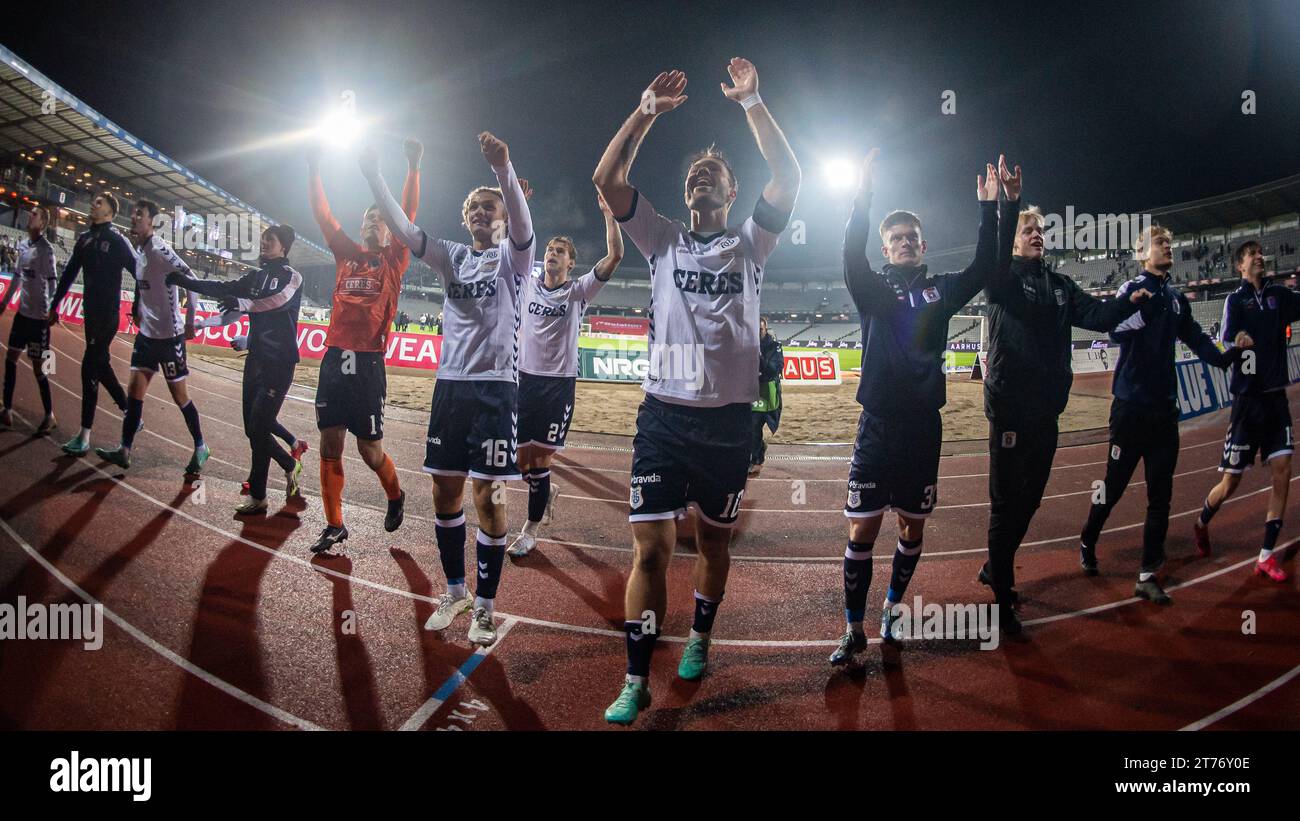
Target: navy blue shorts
684,454
545,409
895,464
1260,424
165,355
31,335
472,430
351,392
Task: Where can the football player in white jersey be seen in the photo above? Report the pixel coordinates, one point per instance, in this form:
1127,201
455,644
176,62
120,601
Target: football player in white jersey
473,422
160,338
693,429
35,279
553,305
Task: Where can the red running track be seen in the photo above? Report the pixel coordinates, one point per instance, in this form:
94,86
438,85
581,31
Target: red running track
216,623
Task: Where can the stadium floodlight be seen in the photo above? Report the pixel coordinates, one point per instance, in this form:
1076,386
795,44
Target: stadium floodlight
839,173
340,127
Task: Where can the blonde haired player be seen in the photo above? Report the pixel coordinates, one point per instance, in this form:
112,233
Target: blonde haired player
1144,414
473,422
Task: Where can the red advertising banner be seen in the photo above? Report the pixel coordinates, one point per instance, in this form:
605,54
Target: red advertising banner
405,350
625,325
821,368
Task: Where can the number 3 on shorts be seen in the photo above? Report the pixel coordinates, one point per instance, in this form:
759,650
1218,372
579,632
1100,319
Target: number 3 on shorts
928,502
496,452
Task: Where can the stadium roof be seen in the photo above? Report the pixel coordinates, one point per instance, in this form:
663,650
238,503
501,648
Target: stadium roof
89,139
1255,204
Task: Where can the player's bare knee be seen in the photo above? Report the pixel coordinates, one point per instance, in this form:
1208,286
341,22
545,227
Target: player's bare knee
910,529
713,542
1229,483
651,557
371,452
448,494
331,442
864,529
1281,467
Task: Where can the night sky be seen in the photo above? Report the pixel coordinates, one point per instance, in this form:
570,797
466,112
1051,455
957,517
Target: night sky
1109,107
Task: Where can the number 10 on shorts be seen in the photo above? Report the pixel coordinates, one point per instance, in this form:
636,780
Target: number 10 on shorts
496,452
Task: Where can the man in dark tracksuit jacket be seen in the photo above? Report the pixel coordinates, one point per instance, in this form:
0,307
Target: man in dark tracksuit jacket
1031,312
271,297
905,311
101,255
1258,312
767,408
1144,414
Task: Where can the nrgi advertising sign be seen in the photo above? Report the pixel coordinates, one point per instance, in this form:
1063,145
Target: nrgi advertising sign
618,364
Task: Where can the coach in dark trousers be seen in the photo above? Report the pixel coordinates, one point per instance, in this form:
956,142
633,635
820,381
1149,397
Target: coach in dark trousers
271,297
767,408
1031,312
1144,414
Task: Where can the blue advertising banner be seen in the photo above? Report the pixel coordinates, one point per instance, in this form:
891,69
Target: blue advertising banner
1204,389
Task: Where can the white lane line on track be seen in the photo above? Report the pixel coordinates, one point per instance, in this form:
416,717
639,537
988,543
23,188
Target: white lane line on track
140,636
573,628
458,678
1244,702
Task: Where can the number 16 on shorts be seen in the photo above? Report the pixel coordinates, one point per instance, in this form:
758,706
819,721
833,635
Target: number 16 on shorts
496,452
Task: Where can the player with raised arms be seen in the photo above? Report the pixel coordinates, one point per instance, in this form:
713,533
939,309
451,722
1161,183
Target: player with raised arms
1030,370
548,363
353,382
905,311
692,439
473,421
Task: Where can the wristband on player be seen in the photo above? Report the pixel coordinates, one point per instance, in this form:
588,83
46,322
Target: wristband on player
751,101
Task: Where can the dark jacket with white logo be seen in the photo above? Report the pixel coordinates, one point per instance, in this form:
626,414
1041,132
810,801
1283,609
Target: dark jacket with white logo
1031,312
101,255
1264,314
1145,374
270,295
905,313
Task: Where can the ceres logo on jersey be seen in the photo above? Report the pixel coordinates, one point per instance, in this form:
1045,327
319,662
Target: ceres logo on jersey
547,310
360,284
931,294
472,290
